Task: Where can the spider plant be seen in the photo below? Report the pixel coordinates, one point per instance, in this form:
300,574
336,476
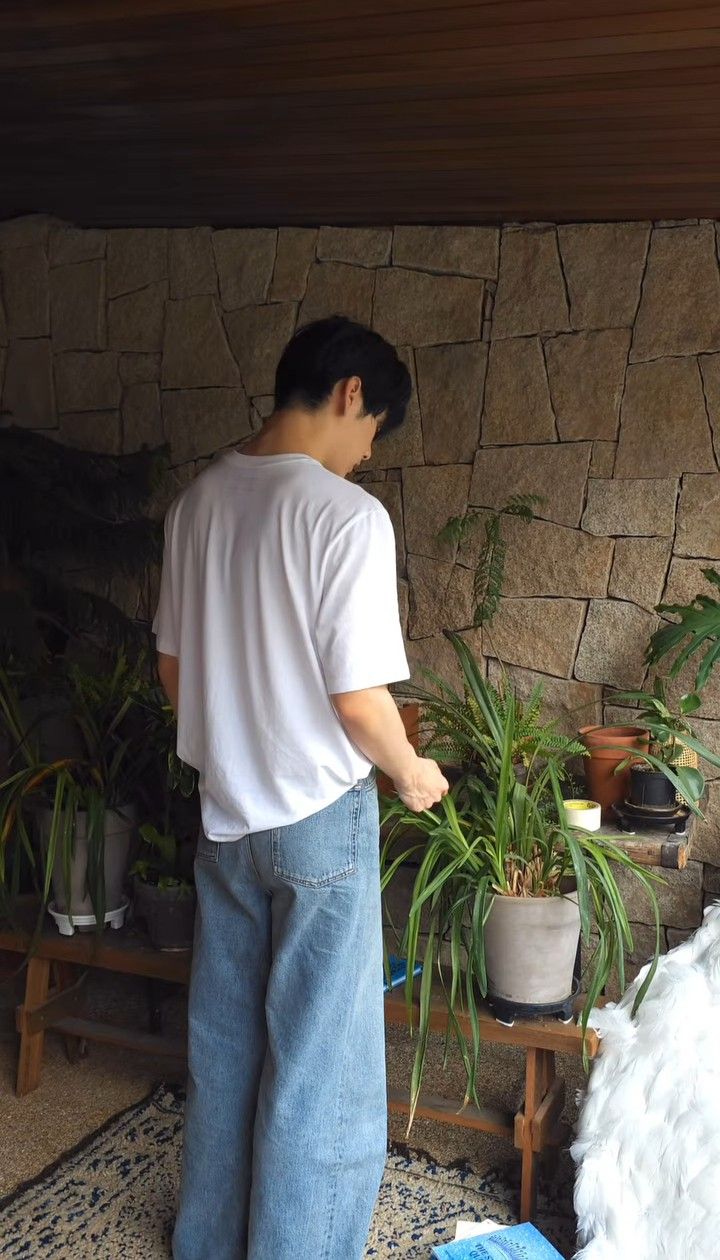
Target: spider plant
107,752
493,837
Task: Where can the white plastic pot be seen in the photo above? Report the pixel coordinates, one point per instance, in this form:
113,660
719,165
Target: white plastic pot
119,828
68,924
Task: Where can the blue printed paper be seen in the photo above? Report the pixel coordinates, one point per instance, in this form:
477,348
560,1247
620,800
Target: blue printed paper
520,1242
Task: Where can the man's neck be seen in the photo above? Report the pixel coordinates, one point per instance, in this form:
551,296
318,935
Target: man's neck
290,432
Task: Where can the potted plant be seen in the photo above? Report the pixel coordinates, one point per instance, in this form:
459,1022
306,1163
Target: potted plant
504,884
607,773
163,889
666,769
72,816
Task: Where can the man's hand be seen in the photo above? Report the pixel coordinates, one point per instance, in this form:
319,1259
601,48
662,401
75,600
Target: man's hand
423,787
372,721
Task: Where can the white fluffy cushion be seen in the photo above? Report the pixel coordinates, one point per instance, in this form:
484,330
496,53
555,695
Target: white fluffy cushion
648,1142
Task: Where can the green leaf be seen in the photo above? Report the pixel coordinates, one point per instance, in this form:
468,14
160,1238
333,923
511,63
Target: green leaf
697,630
690,703
166,845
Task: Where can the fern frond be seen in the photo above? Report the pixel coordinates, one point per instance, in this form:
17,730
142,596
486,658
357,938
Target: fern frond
490,569
533,705
554,741
446,752
489,575
522,505
458,528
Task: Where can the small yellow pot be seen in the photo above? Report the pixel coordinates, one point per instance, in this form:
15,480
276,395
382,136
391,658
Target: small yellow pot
584,814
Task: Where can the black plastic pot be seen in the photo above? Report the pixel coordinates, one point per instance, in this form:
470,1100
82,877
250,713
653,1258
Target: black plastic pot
651,789
168,914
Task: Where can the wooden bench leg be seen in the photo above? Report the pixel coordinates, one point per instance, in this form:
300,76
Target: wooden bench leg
537,1123
64,972
536,1072
37,982
548,1070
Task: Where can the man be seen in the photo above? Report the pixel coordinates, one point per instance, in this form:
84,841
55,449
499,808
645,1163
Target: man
278,632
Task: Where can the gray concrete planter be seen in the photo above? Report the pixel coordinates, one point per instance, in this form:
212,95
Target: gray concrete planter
530,948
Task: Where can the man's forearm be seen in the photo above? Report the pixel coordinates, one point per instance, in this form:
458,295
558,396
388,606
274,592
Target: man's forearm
169,674
373,723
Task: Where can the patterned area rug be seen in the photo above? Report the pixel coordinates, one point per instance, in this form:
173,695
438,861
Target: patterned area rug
113,1197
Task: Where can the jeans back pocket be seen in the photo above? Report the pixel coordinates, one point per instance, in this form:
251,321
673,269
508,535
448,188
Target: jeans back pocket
321,849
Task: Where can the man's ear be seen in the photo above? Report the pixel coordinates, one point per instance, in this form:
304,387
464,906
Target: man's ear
352,399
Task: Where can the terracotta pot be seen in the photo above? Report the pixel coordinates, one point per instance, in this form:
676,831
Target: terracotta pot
608,746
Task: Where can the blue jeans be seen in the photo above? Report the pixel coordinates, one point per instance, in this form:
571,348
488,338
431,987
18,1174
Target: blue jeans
286,1120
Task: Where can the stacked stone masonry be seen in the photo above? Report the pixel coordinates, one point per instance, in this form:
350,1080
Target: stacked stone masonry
580,363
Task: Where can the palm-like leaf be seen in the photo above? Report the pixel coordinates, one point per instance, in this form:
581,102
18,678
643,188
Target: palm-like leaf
697,631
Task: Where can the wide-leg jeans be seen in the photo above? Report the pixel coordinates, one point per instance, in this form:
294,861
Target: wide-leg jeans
286,1120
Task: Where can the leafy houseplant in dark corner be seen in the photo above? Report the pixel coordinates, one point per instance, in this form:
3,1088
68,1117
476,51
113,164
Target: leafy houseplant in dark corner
73,743
163,893
69,813
163,888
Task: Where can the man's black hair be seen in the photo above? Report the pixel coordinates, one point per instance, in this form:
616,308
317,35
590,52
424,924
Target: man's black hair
334,349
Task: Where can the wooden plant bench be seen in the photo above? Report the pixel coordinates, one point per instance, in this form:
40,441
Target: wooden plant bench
65,961
536,1126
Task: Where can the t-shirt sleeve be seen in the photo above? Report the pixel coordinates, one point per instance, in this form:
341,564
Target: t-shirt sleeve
165,627
358,633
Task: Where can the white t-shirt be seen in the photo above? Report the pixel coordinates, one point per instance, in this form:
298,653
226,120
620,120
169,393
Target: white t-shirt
278,590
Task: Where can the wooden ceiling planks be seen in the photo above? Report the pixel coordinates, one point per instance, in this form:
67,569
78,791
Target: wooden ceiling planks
184,111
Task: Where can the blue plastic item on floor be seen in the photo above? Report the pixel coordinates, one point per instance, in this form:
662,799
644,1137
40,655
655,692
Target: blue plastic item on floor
398,972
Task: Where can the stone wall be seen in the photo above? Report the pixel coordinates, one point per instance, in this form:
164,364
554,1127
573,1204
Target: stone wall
580,363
